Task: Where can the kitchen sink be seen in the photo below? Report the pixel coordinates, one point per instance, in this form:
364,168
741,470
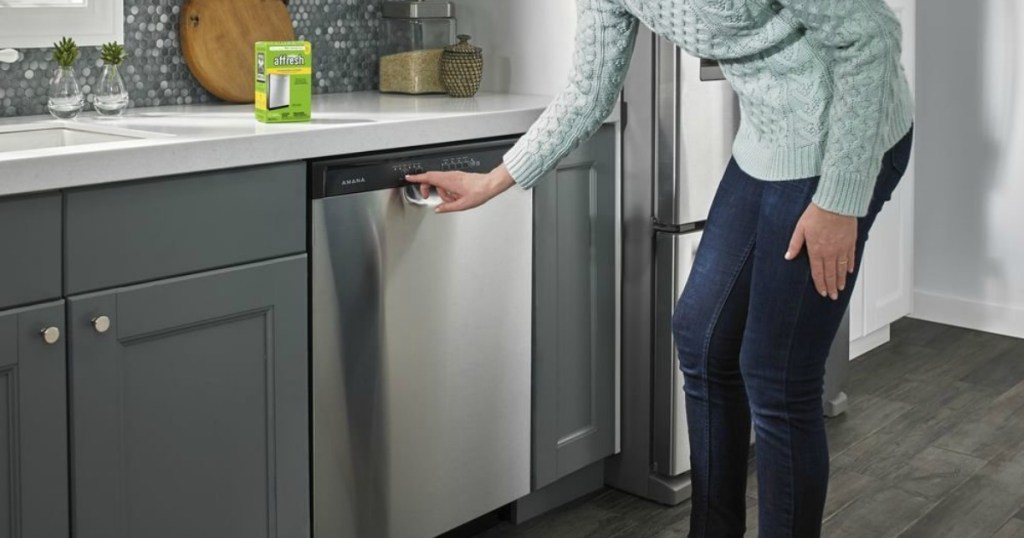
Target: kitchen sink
44,135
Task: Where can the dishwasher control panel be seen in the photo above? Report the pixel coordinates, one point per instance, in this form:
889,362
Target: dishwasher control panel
387,171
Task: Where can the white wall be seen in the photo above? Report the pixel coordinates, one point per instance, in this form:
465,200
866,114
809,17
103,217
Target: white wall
969,224
527,44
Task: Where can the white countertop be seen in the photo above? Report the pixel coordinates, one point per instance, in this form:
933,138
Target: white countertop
195,138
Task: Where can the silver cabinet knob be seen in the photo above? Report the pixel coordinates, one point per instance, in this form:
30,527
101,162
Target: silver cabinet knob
101,324
50,335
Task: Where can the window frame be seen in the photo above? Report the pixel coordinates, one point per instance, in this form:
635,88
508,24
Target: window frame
94,23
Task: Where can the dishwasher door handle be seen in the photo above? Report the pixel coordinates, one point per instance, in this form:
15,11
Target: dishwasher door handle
412,195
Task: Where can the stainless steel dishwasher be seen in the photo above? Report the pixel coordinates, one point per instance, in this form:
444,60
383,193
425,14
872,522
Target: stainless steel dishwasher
421,347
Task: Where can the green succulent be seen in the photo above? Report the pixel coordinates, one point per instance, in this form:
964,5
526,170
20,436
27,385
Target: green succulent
65,52
112,53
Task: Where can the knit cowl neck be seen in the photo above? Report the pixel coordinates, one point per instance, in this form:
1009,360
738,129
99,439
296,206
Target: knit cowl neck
716,29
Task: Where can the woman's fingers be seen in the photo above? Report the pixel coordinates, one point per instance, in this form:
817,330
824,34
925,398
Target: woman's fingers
845,268
818,273
440,180
823,271
831,266
461,204
796,242
460,190
841,273
446,184
830,240
446,195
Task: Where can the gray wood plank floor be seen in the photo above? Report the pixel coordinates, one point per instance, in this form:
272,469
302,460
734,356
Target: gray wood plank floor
932,446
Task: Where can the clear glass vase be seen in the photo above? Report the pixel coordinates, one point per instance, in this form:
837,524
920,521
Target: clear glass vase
66,99
111,97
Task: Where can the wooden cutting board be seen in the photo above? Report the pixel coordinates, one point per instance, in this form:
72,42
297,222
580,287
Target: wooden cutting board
218,36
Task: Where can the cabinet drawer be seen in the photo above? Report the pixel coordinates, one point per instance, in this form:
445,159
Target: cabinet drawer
30,249
155,229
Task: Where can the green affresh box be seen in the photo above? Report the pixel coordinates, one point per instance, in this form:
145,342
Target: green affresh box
284,81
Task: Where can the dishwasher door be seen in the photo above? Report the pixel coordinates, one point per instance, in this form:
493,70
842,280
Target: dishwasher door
421,362
279,91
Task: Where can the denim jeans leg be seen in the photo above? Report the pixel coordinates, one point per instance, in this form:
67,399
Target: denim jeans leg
789,331
708,325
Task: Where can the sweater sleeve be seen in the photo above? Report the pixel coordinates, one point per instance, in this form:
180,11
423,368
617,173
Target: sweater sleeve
605,36
862,38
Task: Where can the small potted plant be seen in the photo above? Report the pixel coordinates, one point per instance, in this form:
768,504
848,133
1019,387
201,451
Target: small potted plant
65,96
111,98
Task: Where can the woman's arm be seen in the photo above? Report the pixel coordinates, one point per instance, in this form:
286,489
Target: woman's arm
862,38
604,44
605,36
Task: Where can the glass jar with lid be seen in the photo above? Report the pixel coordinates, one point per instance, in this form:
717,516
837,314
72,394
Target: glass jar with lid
413,37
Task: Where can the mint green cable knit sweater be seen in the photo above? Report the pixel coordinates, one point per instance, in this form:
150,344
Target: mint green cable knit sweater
821,88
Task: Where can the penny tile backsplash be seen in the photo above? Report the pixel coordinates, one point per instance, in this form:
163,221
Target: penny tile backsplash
343,34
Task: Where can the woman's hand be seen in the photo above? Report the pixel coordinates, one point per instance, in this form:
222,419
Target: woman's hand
462,190
831,241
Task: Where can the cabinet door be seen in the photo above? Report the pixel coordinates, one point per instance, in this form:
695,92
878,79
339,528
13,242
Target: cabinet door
575,344
886,280
888,273
33,423
189,406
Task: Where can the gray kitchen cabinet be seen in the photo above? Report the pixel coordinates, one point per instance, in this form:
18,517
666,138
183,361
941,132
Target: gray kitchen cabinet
189,406
575,322
33,423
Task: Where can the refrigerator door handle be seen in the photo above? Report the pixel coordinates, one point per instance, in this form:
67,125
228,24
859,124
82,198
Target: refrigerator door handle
667,95
676,229
710,70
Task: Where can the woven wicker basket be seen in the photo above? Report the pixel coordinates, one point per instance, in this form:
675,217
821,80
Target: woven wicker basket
462,68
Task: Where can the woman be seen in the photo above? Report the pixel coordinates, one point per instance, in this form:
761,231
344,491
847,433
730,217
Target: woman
824,138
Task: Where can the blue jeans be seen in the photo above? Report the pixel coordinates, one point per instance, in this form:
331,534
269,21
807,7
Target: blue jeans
753,335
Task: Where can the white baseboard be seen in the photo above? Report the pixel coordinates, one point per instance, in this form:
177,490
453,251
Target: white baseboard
868,342
998,319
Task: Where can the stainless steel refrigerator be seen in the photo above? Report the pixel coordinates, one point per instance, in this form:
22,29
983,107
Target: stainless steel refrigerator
680,118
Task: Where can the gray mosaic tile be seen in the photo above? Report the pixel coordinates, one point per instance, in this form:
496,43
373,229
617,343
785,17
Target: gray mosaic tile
343,33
